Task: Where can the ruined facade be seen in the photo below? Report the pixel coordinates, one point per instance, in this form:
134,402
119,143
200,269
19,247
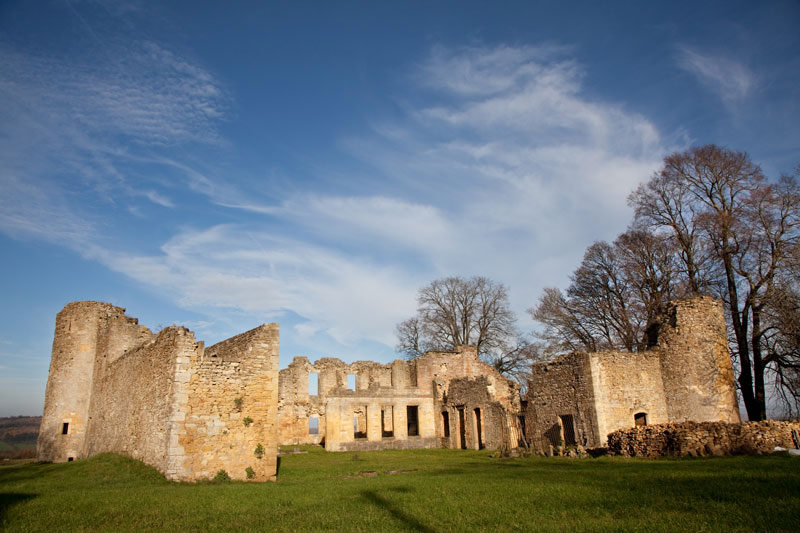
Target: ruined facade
442,399
686,375
165,399
190,411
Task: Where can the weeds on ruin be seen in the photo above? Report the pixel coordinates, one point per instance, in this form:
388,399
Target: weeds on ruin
259,451
247,421
238,403
222,477
249,472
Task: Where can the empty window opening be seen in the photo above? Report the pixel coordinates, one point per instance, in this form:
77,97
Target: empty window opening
351,381
360,423
313,425
65,428
313,384
462,429
640,419
387,421
478,428
70,459
568,427
445,424
412,413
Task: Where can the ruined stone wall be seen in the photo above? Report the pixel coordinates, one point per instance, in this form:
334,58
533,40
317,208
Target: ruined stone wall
695,362
115,387
704,438
562,387
626,384
133,398
344,408
85,333
230,418
487,422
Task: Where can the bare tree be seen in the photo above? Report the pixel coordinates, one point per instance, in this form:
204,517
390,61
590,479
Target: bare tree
736,233
614,294
455,311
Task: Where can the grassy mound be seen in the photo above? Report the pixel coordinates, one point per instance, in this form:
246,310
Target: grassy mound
427,490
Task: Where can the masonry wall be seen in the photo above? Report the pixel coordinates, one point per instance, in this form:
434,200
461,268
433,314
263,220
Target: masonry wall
164,399
704,438
695,362
562,387
85,333
626,384
230,417
133,398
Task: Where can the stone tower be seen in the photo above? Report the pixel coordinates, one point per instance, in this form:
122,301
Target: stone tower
695,362
88,335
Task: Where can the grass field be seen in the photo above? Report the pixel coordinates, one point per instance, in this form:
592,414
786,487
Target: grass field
447,490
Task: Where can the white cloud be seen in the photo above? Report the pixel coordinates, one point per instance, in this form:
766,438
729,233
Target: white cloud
239,267
730,79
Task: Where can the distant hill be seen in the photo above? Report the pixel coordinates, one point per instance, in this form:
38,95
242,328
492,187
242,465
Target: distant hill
18,435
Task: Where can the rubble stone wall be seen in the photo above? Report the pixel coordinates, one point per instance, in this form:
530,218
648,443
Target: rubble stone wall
703,438
230,419
695,362
114,386
626,384
561,387
132,400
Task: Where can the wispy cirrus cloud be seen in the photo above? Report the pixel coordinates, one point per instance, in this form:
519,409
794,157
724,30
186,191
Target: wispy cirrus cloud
504,169
731,80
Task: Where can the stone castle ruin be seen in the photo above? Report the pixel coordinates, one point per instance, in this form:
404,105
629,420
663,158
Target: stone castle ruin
190,411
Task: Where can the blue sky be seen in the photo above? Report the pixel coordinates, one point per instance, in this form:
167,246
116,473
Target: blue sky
220,165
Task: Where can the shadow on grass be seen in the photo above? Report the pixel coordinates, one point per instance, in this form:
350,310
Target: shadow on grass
10,499
411,522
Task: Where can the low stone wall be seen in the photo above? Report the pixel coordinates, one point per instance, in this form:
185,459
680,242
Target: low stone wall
703,438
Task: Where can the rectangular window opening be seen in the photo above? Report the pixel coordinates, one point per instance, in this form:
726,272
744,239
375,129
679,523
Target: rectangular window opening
412,412
640,419
313,425
445,424
65,428
360,422
313,384
70,459
351,381
387,421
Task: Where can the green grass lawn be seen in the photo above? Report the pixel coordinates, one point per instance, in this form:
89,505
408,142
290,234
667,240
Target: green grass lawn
449,490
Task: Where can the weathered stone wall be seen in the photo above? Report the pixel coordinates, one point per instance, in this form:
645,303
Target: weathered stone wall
343,408
390,389
487,422
86,333
695,362
562,387
230,419
626,384
115,387
703,438
132,399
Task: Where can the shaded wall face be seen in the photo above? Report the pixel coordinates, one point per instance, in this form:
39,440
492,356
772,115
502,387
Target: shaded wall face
696,365
626,384
475,419
225,417
559,393
133,399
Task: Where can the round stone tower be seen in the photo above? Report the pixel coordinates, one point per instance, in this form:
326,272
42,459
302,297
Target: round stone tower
695,362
